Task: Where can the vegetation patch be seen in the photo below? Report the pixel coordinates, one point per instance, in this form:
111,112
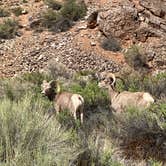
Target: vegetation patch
138,133
55,5
93,95
17,11
136,58
73,10
135,81
4,13
110,44
8,29
32,133
62,20
28,137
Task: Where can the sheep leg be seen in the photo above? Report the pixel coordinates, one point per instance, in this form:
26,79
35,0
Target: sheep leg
75,115
57,109
82,117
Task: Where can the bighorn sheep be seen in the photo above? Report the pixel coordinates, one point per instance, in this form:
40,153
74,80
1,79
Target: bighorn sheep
122,100
63,100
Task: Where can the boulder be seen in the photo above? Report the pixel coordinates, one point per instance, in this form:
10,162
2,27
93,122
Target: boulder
130,22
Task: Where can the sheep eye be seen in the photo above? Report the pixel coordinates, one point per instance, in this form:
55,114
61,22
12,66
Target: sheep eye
111,80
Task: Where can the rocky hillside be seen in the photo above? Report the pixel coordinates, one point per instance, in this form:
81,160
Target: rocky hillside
119,24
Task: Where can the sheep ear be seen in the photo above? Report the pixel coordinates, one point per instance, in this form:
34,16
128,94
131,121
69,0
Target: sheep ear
52,83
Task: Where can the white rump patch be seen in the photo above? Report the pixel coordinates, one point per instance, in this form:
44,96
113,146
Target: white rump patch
148,97
77,100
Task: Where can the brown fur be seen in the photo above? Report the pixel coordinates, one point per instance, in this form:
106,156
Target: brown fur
121,100
64,100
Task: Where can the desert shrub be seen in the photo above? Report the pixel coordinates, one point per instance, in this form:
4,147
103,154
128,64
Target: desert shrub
106,160
73,10
160,109
60,21
49,18
96,154
67,120
34,77
16,88
93,95
24,1
17,11
140,135
55,22
55,5
136,58
4,13
57,69
29,138
155,85
154,163
110,44
8,29
62,24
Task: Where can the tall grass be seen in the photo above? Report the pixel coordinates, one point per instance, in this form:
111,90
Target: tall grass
28,137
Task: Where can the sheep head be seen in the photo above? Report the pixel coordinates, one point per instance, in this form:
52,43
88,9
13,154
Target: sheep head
106,80
48,89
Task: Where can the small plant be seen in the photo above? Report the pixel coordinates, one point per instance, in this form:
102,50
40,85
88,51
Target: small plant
24,1
55,22
136,58
106,160
57,69
17,11
73,10
67,120
155,163
93,95
49,18
4,13
55,5
110,44
8,29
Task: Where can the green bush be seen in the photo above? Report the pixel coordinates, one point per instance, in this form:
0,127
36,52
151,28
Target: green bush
57,70
55,5
17,11
8,29
49,18
28,137
34,77
136,58
60,21
4,13
93,95
55,21
110,44
73,10
18,87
